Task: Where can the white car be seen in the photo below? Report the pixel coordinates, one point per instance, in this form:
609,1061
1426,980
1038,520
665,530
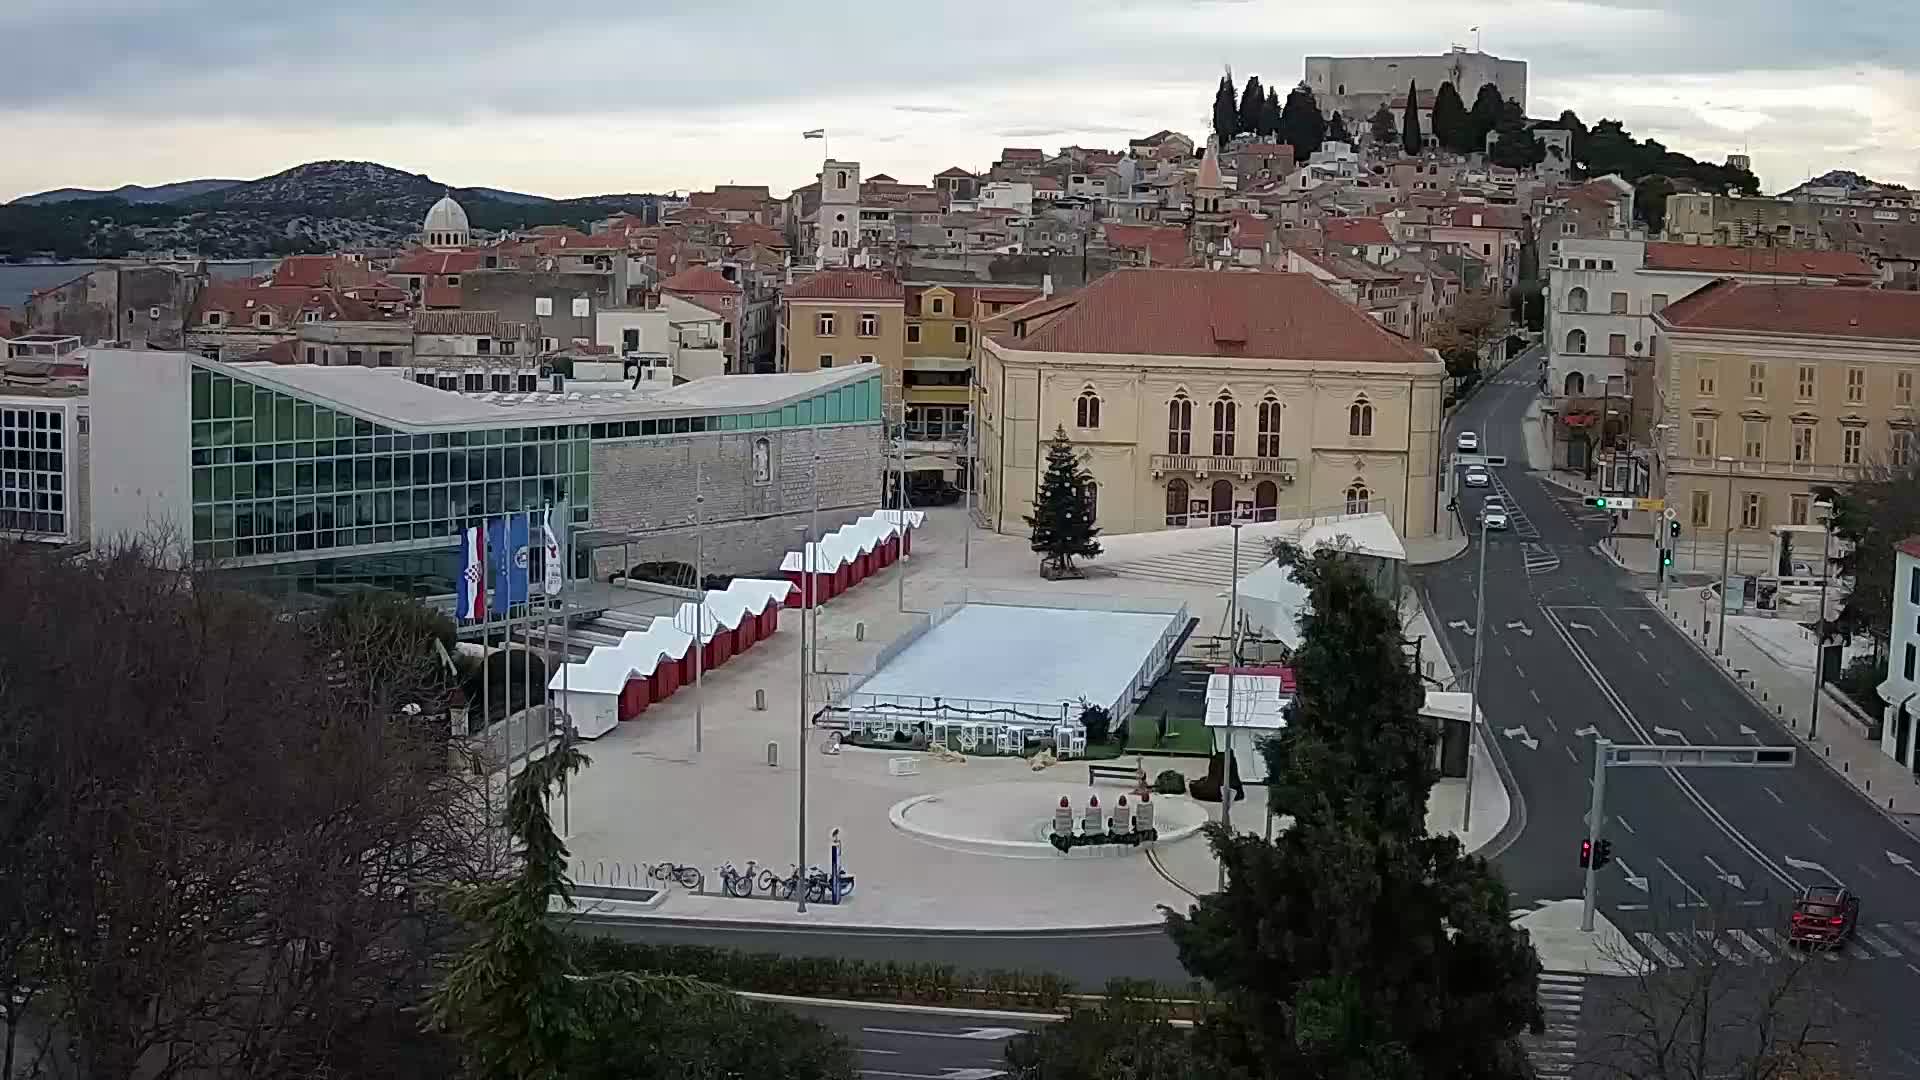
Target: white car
1467,442
1493,514
1477,477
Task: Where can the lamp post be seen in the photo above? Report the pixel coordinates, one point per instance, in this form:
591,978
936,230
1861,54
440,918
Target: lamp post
1233,660
1726,551
1825,506
1479,651
1663,536
811,596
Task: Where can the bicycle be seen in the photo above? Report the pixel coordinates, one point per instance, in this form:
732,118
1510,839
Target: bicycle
820,885
688,877
769,882
739,883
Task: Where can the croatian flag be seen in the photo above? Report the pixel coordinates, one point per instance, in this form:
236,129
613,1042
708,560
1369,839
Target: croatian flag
470,599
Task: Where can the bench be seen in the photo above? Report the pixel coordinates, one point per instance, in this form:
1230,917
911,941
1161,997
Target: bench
1126,773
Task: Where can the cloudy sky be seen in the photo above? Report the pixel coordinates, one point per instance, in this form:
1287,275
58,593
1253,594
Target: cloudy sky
566,97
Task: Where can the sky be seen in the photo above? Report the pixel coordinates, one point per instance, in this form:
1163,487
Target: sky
567,98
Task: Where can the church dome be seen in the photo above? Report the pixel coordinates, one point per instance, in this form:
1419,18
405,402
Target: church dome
446,224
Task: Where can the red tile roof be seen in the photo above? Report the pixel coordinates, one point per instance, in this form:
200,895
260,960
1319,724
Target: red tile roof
748,232
422,261
1910,546
474,323
436,295
1738,260
1357,231
1166,244
699,279
243,300
1264,149
1212,313
732,197
1022,153
1492,216
955,172
1811,310
320,271
846,285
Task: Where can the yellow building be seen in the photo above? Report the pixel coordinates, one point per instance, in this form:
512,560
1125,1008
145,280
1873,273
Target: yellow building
944,327
1194,394
1770,391
837,318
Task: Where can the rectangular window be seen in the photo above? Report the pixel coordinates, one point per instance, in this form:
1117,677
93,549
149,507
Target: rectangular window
960,335
1616,344
1755,440
1903,387
1900,448
1804,383
1659,302
1701,512
1703,438
1853,445
1617,304
483,346
1709,375
1757,379
826,360
356,358
866,358
869,324
1856,384
913,333
630,341
386,357
1803,443
823,325
1753,507
1797,509
1906,667
1913,585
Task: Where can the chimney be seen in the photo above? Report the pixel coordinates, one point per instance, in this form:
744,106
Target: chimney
1046,285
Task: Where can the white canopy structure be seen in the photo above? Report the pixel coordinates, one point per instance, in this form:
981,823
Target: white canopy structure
1273,601
847,543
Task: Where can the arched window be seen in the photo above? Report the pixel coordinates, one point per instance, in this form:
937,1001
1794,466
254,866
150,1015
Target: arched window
1086,411
1360,417
1358,496
1576,340
1176,502
1180,425
1222,502
1576,299
1268,443
1266,501
1576,383
1225,414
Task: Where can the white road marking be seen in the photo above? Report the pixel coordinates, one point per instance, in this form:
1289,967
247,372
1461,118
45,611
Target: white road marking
1776,795
1662,676
1701,900
1877,944
1818,833
1687,703
1636,652
1867,870
1621,820
1854,950
1711,734
1550,723
1746,941
1721,947
1516,667
1660,952
1575,758
1531,692
1776,939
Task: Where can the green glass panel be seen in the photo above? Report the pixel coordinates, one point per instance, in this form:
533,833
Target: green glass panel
222,397
223,482
283,417
202,394
243,481
243,398
303,419
243,432
202,433
303,478
283,479
202,523
202,485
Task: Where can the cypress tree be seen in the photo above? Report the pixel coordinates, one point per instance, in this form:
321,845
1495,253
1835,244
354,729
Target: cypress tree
1411,140
1062,518
1337,129
1253,106
1451,126
1301,123
1270,114
1226,114
1485,112
1385,131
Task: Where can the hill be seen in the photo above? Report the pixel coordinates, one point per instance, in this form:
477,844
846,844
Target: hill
128,193
319,206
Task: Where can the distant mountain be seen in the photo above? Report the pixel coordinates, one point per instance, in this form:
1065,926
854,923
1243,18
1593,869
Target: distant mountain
511,196
1846,179
128,193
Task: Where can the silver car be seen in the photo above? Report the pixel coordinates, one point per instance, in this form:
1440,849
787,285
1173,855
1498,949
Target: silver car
1493,514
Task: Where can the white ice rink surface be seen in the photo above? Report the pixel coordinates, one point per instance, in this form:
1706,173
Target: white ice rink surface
1025,654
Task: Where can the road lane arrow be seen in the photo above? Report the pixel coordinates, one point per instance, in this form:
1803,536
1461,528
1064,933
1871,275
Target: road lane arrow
1633,879
1522,627
1588,730
1721,873
1463,626
1747,731
1802,864
1582,626
1648,629
1520,733
1903,863
1669,733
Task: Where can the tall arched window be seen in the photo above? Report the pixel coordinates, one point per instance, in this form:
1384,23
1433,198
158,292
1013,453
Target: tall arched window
1358,496
1266,501
1176,501
1268,443
1086,411
1576,299
1225,415
1360,417
1576,340
1576,383
1180,425
1222,502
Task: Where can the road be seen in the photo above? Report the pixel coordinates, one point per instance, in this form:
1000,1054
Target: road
1705,860
922,1045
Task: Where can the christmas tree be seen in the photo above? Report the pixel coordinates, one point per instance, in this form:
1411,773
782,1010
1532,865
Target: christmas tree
1062,518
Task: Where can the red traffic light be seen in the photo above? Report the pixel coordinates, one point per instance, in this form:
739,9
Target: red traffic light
1586,853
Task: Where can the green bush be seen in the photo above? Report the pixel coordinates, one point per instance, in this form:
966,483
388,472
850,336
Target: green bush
1170,782
1098,722
1859,680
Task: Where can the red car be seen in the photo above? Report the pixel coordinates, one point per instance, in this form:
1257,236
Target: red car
1824,917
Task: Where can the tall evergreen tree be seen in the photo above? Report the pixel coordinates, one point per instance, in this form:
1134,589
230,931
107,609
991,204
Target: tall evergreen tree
1226,114
1412,140
1385,132
1301,124
1253,105
1485,113
1062,518
1337,129
1270,114
1451,126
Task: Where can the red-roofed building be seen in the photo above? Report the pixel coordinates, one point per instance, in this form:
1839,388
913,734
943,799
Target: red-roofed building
717,293
1820,267
322,272
736,203
1491,231
1803,385
231,320
1146,245
1363,238
1198,394
836,318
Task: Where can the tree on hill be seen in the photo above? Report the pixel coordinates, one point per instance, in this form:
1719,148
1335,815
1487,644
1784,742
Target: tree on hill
1062,518
1270,114
1226,114
1485,113
1253,105
1354,944
1516,150
1412,140
1301,124
1385,132
1337,129
1451,125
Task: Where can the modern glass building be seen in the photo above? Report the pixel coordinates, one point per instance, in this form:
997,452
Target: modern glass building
309,478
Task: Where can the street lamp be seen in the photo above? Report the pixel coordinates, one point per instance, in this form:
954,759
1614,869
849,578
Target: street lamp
1473,685
1726,550
1662,538
1233,660
1825,509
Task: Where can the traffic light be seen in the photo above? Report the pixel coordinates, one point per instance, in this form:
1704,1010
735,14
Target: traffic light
1666,556
1603,855
1673,528
1586,853
1597,501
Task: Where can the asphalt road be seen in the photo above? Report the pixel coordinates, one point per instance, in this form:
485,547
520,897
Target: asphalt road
922,1045
1706,861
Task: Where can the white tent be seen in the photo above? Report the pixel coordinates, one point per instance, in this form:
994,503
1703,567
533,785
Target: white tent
1259,710
1273,603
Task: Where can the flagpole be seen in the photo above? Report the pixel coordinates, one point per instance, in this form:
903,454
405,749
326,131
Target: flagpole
700,613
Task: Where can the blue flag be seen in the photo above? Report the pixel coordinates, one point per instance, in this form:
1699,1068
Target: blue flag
507,540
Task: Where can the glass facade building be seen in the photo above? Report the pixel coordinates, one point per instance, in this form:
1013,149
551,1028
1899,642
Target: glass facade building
33,470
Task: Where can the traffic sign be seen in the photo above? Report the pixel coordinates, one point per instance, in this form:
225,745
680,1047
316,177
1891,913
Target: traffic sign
1650,505
1625,502
1672,514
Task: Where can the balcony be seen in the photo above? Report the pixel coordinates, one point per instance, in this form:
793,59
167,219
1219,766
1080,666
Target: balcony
1246,468
1779,470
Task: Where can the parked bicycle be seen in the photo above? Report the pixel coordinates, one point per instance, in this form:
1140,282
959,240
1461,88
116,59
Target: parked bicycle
820,885
739,883
688,877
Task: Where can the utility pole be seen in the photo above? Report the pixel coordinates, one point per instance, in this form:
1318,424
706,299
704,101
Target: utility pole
1590,892
1726,551
1820,644
1233,661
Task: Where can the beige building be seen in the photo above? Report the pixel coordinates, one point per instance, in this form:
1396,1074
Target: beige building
1195,394
838,318
1773,390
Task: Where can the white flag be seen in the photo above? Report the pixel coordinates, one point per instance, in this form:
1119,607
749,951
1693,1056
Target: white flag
556,570
816,133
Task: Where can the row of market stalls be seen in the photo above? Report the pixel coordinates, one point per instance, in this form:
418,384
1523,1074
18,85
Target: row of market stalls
846,556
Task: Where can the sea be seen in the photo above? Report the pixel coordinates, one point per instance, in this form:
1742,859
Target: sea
21,280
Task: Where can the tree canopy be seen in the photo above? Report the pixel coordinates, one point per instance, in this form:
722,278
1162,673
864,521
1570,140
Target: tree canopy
1871,516
1226,111
1452,127
1384,129
1337,129
1253,107
1301,124
1412,139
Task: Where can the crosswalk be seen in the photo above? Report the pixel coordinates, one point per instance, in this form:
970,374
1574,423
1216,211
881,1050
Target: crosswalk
1562,995
1884,941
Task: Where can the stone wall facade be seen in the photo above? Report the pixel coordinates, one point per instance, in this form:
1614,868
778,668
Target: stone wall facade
644,489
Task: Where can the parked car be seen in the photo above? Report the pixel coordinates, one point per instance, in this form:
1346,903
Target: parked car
1477,477
1467,442
1824,917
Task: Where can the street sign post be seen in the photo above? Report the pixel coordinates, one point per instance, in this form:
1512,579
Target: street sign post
1610,755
